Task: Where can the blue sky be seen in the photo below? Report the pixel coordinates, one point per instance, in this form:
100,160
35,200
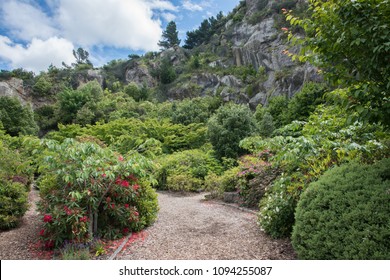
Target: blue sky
35,34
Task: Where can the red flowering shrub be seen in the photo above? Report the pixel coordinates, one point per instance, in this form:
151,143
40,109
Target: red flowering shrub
255,176
96,194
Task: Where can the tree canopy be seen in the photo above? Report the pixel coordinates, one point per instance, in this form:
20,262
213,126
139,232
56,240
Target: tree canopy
349,41
170,36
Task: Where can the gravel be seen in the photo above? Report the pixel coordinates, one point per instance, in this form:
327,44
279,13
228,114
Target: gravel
188,228
18,243
191,228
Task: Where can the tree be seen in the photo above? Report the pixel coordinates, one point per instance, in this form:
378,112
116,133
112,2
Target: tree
267,125
16,118
170,36
227,127
81,56
349,41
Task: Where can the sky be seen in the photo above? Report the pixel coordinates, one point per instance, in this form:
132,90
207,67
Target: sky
35,34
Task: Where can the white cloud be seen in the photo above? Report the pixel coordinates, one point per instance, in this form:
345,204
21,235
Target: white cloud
26,21
161,5
188,5
122,24
168,16
117,23
37,55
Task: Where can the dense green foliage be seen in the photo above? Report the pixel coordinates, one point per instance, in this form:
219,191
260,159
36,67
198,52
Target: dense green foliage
227,127
304,151
16,118
348,40
186,171
89,191
14,204
15,178
345,214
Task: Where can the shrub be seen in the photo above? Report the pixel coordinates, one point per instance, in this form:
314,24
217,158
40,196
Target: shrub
16,118
227,127
345,214
90,191
190,165
255,176
13,203
227,182
276,215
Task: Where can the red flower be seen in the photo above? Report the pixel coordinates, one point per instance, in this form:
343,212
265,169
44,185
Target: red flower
42,232
49,244
108,199
118,181
135,187
124,183
47,218
67,210
127,205
104,175
136,213
112,206
120,158
125,230
84,219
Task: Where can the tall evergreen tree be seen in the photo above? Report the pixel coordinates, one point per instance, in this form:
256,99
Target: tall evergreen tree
170,36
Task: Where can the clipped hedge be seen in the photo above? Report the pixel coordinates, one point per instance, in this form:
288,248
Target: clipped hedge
345,214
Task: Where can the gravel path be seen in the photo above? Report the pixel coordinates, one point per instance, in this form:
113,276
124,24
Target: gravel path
189,228
17,244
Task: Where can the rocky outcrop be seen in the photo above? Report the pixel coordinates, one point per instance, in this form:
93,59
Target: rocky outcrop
140,75
14,88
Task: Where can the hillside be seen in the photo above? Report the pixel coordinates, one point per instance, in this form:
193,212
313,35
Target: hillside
242,61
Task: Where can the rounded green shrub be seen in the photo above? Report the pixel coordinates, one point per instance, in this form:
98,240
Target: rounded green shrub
13,203
345,214
227,127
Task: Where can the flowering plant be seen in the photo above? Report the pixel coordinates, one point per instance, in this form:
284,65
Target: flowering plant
95,193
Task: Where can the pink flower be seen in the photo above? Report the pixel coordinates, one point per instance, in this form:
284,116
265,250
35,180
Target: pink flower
135,187
120,158
285,29
84,219
124,183
104,175
47,218
136,213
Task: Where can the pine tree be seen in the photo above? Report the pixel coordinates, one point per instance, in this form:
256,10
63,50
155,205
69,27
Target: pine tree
170,36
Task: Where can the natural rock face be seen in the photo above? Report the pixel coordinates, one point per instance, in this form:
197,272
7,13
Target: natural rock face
262,46
96,75
14,88
140,75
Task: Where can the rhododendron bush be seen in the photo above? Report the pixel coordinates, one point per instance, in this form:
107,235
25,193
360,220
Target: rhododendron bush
88,191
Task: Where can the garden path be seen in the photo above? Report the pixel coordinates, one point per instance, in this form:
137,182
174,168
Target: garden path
188,228
191,228
20,243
